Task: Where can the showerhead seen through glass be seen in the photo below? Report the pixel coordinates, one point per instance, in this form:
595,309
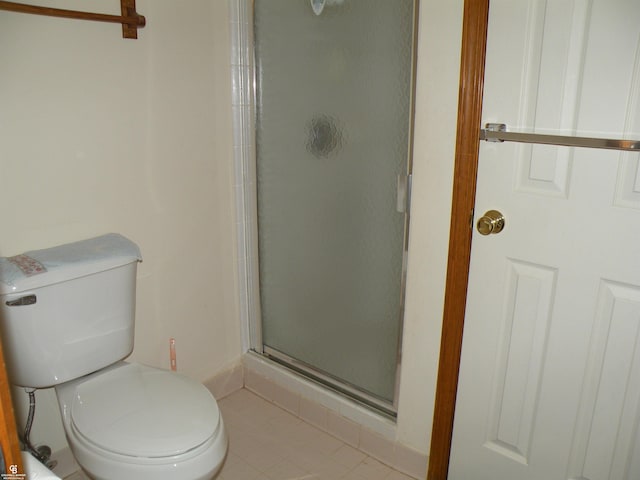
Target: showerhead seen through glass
318,5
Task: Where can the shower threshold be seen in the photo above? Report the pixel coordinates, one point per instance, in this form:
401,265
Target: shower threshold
355,394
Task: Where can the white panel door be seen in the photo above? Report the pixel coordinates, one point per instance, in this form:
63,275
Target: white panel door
550,376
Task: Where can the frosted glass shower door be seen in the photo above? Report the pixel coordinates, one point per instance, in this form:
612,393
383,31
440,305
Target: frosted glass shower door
333,100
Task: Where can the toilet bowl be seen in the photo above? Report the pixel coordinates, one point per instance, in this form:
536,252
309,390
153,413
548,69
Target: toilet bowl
131,421
67,319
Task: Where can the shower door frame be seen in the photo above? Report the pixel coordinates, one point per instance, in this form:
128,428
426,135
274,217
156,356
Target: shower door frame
244,117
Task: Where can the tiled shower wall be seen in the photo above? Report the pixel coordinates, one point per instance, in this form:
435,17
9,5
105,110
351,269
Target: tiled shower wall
242,67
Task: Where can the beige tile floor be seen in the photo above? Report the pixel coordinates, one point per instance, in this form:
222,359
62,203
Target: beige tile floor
268,443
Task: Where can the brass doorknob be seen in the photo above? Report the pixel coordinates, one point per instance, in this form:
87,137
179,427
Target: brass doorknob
491,222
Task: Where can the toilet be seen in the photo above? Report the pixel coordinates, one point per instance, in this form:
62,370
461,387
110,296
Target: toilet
67,320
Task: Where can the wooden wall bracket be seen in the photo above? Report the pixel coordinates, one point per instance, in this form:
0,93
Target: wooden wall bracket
8,430
130,19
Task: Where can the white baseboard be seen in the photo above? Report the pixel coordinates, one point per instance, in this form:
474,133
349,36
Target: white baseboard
227,381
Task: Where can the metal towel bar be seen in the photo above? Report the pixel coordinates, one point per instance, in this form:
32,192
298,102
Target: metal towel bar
497,132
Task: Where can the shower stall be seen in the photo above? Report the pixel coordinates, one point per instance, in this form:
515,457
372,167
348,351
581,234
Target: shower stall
327,211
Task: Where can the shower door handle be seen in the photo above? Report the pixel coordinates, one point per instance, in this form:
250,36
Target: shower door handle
403,197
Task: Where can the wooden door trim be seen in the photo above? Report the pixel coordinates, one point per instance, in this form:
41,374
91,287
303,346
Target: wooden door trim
474,40
8,431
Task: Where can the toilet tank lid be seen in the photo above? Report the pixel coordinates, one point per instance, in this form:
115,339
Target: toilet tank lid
38,268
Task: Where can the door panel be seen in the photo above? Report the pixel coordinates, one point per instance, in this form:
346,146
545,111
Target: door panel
549,381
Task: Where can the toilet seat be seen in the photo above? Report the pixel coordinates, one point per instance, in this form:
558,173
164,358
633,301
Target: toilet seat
143,412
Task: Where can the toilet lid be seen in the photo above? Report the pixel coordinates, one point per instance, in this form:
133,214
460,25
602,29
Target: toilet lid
144,412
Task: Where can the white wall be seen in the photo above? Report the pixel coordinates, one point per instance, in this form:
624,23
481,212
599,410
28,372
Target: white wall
100,134
439,43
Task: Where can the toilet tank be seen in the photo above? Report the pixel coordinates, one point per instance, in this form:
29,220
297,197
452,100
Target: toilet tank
69,310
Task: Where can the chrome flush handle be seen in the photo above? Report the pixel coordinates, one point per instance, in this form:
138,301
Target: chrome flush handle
22,301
